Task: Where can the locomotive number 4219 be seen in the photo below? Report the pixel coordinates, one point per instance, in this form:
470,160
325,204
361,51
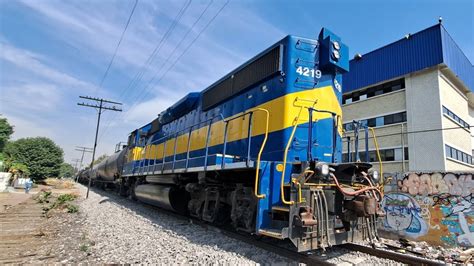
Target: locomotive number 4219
309,72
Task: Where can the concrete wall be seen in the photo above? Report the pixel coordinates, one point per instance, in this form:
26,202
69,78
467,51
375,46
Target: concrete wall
390,167
426,149
378,106
375,106
460,138
436,207
4,178
471,122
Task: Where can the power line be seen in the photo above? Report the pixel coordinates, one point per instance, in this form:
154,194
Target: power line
155,51
118,45
180,56
172,53
139,75
417,131
101,107
179,44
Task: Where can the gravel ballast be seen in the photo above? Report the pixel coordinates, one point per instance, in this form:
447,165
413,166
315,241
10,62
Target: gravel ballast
123,231
110,229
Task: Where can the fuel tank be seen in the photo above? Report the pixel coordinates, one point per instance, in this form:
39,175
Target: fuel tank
111,167
166,197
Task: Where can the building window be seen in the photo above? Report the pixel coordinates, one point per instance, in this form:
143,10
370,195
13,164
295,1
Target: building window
458,155
456,118
387,87
386,155
379,121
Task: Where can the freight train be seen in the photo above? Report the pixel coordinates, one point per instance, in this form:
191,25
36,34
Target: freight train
260,150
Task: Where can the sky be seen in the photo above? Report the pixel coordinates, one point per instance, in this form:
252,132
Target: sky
51,52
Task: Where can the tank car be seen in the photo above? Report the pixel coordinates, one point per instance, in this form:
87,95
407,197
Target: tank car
260,149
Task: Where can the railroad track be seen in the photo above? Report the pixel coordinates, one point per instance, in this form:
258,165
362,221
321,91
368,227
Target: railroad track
266,244
381,253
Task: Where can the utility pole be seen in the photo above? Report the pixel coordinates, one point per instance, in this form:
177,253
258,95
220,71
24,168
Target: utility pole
100,106
76,161
83,150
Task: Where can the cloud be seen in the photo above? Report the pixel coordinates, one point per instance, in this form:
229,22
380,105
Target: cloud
40,97
31,62
24,128
93,30
89,26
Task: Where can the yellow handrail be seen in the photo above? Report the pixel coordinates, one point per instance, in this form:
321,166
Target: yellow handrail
261,196
378,153
300,196
282,189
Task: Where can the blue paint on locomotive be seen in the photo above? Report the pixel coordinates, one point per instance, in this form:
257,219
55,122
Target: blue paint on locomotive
316,55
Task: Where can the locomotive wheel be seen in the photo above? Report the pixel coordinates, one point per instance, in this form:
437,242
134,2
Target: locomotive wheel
133,196
123,189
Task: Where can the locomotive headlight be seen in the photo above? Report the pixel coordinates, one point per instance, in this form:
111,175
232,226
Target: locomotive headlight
375,176
323,169
336,55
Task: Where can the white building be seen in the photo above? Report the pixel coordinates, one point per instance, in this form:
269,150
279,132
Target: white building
417,94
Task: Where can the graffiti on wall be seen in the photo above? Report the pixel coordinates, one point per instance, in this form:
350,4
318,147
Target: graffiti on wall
436,207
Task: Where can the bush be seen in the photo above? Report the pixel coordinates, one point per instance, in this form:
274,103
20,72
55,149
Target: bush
41,155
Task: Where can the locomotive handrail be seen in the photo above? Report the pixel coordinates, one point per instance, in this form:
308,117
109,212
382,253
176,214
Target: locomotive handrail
167,136
282,183
267,114
378,154
262,146
249,132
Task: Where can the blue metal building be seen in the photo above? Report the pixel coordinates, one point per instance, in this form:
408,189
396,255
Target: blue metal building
415,52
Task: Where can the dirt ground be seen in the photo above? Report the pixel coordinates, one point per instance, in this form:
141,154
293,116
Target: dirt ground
30,234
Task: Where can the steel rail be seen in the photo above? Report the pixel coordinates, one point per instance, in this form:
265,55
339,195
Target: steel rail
403,258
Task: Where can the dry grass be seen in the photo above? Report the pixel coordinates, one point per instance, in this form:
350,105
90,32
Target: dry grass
59,183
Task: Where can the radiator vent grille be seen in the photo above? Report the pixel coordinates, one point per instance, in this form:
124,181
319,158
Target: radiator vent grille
260,69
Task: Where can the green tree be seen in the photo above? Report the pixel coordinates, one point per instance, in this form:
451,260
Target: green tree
19,168
41,155
6,130
100,159
67,170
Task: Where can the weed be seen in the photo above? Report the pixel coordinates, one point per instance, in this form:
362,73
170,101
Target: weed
66,197
43,197
60,203
61,200
83,247
71,208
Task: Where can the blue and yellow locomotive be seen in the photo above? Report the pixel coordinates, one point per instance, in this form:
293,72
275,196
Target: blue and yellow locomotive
260,149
